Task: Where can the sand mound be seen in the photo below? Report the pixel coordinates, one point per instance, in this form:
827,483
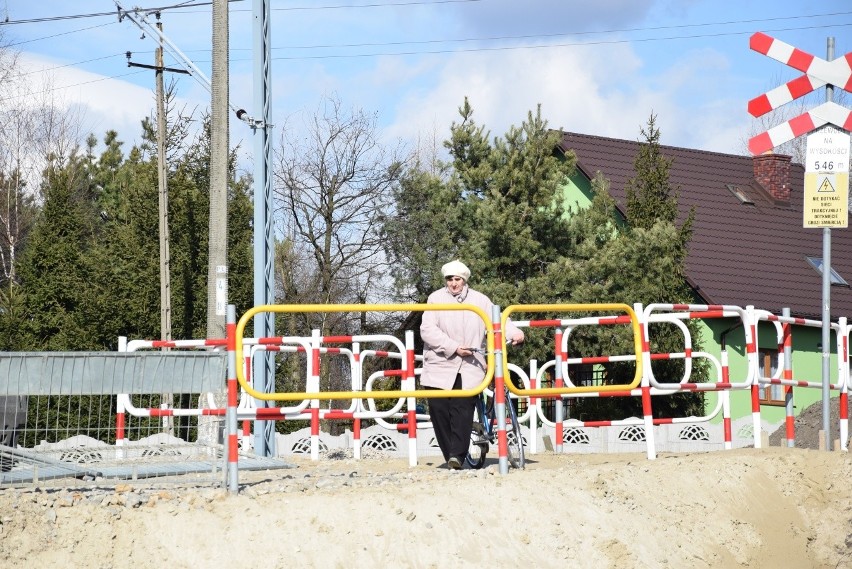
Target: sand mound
757,508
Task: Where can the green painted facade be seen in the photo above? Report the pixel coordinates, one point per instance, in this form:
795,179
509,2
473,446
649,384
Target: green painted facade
806,354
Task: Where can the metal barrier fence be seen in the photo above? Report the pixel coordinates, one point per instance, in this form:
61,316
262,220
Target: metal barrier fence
143,411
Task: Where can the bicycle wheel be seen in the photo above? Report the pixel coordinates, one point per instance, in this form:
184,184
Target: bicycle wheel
478,449
514,437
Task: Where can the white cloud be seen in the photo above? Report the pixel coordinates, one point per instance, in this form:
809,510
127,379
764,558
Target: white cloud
594,90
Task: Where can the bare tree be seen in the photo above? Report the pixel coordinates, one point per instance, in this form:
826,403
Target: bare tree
34,128
333,183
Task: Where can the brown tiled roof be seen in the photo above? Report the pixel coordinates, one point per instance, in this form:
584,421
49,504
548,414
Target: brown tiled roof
739,254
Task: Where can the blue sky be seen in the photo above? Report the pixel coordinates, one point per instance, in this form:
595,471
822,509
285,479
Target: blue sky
595,67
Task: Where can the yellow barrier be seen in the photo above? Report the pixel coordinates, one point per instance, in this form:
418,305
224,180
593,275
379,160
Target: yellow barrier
547,391
293,308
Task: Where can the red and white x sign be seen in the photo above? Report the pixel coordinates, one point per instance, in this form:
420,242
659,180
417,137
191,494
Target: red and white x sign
818,73
826,113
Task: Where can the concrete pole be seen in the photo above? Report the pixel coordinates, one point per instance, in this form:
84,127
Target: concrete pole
217,270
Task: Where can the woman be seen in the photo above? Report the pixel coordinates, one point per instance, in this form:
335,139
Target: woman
449,361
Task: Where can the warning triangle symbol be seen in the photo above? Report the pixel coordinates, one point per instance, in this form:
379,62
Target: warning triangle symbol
825,186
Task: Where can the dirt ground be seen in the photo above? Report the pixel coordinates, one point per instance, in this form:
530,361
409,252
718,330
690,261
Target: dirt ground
757,508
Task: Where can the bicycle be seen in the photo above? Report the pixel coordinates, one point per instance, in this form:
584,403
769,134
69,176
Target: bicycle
484,432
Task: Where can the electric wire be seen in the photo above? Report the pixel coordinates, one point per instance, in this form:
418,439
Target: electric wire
189,3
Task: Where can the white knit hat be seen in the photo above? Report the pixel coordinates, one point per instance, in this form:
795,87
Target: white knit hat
456,269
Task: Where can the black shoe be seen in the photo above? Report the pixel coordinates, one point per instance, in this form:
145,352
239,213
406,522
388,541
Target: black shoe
454,463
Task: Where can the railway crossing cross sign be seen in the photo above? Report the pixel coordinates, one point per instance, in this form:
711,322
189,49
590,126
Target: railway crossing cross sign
818,73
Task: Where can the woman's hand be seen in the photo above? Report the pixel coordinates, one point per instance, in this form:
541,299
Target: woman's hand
517,338
464,352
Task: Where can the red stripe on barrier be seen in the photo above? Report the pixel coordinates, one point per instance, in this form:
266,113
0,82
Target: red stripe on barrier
646,402
393,372
268,413
615,320
844,405
338,414
231,336
597,423
726,421
119,426
232,392
660,356
314,422
232,448
688,352
707,314
216,342
790,428
615,394
337,339
154,412
543,323
213,412
663,421
412,419
596,360
163,344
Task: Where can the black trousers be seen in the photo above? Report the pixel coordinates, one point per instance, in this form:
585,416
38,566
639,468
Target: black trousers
452,419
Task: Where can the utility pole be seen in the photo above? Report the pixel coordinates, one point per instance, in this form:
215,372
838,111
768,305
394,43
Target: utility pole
162,183
264,239
217,270
165,256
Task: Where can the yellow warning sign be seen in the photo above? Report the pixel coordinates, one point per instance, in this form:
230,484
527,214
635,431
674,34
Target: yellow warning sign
825,186
826,199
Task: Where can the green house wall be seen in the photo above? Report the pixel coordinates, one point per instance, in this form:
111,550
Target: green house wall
806,357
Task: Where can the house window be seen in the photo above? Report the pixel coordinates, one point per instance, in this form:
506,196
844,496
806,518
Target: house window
770,394
836,279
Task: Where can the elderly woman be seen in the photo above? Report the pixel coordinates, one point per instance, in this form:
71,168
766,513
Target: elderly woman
449,361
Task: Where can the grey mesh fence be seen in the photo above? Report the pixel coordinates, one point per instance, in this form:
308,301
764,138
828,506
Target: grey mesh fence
101,416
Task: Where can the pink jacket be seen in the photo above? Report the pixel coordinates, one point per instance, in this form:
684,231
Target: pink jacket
443,331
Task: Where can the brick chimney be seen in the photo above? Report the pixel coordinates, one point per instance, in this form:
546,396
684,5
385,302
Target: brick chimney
772,171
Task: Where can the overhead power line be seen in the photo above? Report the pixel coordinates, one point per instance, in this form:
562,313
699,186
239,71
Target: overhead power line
114,13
